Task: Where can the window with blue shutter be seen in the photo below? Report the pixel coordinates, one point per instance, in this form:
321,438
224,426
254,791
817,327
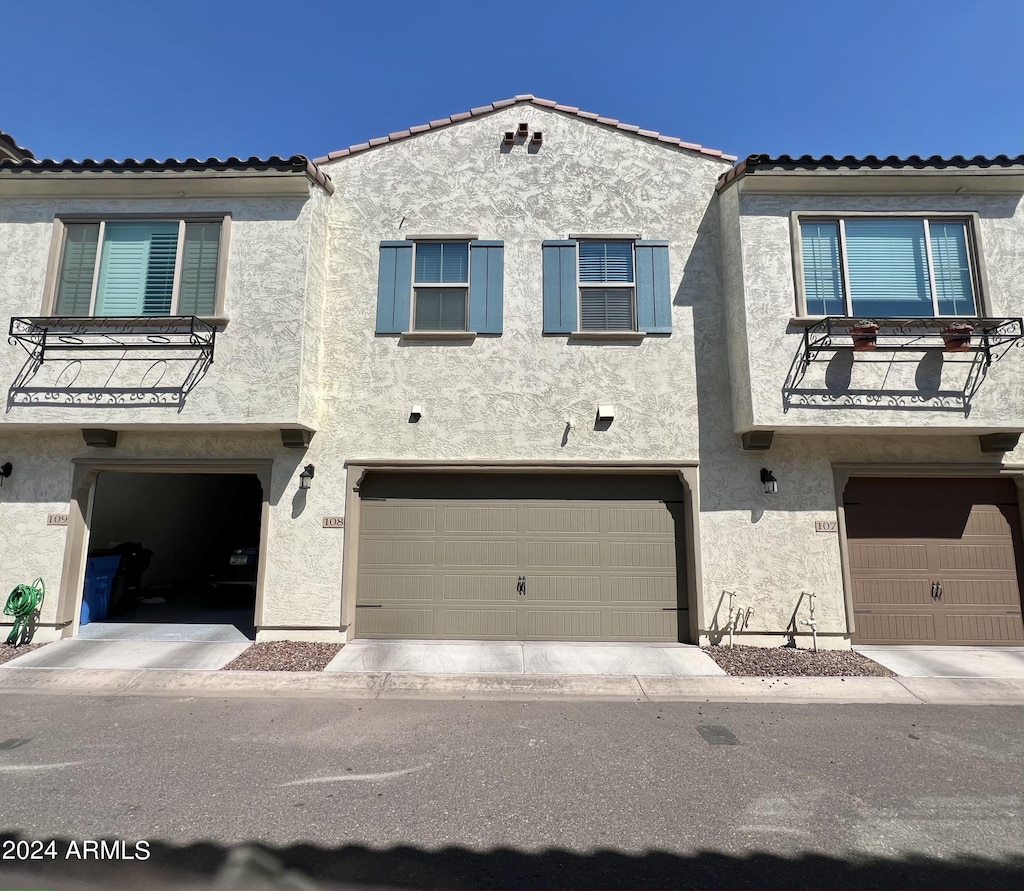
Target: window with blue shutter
606,285
887,267
439,286
150,268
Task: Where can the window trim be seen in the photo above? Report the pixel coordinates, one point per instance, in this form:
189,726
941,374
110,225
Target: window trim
581,285
58,240
417,240
975,254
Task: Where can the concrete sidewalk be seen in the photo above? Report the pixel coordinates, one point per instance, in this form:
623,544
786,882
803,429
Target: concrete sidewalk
515,687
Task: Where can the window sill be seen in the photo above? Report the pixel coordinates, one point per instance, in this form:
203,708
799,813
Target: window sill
466,336
607,336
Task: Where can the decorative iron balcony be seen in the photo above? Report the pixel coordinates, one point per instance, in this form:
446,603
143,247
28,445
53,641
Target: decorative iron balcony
44,337
952,335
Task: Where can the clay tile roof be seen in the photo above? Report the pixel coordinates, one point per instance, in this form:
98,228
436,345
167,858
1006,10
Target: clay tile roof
525,98
765,163
294,164
7,142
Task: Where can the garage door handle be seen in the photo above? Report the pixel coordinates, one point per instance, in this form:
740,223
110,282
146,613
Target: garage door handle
938,590
521,586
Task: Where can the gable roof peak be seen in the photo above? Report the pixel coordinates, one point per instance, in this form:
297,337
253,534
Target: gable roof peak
525,98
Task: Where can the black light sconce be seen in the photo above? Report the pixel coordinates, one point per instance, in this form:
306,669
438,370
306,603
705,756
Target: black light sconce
771,485
306,477
5,471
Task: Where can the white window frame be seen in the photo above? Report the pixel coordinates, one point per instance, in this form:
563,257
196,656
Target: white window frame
56,262
416,286
582,285
979,279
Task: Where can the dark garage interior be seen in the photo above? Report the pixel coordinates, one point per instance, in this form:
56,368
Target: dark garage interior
174,548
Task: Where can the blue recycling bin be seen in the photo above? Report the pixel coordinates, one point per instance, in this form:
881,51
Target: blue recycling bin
99,579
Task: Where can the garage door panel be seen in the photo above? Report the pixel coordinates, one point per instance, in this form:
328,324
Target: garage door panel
395,622
638,625
637,554
477,623
984,521
993,629
563,554
642,589
398,518
481,519
385,587
479,587
895,628
889,591
563,520
976,592
564,624
888,556
565,588
640,521
492,554
957,557
396,552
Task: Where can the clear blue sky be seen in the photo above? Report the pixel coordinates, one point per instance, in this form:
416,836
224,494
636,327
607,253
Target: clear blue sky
250,77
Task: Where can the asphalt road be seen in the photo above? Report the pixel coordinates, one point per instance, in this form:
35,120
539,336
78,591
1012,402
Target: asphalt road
438,794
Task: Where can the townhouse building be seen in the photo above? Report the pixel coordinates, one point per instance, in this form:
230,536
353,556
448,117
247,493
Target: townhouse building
521,373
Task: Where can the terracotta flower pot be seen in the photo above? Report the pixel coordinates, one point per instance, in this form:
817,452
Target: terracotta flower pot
865,336
957,338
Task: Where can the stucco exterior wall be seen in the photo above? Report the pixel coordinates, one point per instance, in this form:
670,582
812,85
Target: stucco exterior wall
257,370
905,390
301,585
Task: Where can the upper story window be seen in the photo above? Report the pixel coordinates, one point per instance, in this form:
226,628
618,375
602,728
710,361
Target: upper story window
452,286
607,286
139,268
888,267
594,283
441,286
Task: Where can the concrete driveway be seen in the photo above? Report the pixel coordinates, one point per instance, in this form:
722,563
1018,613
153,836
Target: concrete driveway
525,658
949,662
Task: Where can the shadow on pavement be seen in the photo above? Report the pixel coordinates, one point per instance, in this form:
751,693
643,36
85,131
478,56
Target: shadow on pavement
208,865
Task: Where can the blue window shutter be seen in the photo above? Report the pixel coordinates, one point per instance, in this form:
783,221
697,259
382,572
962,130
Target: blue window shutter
560,290
74,294
653,290
487,274
394,287
887,268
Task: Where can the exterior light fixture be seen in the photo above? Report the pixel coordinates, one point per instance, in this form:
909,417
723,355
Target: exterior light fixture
306,477
771,485
5,471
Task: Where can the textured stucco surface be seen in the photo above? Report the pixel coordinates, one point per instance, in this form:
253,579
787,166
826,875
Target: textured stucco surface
300,568
257,371
894,390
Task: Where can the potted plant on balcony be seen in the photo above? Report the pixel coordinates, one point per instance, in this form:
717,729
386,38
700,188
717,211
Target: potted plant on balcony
864,334
957,336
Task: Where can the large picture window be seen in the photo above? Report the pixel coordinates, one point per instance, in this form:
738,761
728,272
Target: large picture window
139,268
888,267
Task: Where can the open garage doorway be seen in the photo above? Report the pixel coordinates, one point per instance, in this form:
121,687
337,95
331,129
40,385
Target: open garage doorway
175,553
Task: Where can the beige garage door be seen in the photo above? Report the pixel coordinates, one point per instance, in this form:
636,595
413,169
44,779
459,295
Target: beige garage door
507,557
934,561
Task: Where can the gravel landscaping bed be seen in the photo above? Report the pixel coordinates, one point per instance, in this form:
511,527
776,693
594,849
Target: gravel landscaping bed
285,655
789,662
7,653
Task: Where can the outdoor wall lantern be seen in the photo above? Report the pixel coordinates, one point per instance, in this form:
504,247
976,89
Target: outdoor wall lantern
306,477
771,485
5,471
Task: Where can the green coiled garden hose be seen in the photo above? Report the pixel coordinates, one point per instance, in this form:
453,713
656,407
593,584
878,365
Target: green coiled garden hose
23,601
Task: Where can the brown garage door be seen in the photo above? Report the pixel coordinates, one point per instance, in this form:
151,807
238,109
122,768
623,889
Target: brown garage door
934,561
508,557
